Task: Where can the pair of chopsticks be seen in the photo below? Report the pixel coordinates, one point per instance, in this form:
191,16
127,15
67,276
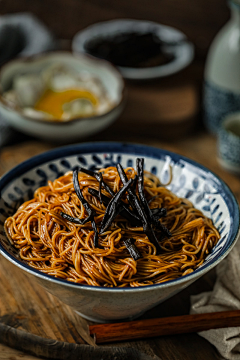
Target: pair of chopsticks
140,329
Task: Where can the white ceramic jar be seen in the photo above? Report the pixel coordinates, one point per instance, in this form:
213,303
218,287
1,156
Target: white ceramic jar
222,72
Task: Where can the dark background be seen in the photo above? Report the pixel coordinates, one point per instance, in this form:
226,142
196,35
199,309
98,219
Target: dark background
198,19
173,105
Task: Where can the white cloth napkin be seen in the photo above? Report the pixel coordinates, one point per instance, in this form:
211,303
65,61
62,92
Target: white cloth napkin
225,296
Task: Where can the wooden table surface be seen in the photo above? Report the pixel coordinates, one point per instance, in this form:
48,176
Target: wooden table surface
165,114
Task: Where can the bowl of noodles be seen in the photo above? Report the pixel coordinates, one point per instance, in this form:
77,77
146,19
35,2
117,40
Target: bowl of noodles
114,229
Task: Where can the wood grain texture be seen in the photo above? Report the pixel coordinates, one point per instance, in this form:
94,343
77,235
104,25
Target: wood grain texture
141,329
60,350
7,353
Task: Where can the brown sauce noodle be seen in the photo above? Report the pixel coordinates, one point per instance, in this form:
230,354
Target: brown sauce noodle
65,250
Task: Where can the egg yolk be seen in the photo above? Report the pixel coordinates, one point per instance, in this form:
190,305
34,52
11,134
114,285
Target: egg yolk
52,102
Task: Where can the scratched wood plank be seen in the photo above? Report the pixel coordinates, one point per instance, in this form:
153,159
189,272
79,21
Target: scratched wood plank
7,353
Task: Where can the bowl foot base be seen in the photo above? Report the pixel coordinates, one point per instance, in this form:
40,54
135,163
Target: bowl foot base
105,321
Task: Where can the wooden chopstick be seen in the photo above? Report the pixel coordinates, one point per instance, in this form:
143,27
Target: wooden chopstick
139,329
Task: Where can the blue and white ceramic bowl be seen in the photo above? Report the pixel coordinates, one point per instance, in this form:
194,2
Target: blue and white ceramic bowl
191,180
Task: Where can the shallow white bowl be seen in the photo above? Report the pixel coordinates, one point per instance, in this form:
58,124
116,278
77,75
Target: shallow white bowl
183,52
191,180
74,129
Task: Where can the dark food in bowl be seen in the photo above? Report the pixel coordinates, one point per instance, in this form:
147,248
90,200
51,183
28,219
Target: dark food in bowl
130,49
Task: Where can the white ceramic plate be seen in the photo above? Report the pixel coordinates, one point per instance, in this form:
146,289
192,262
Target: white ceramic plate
74,129
183,52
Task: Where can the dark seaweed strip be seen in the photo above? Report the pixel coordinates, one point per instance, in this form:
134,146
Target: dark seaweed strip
135,220
99,178
124,179
132,196
100,186
112,209
152,237
78,191
147,228
153,198
163,229
90,211
134,183
123,211
73,219
159,212
132,249
140,183
95,239
108,219
144,203
95,193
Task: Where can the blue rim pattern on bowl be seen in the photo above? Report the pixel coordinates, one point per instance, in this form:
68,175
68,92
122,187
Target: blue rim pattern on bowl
213,197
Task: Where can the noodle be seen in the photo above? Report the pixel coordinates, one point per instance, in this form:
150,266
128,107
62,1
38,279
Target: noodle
58,247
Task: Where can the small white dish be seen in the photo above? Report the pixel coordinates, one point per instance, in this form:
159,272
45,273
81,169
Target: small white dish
74,129
183,52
